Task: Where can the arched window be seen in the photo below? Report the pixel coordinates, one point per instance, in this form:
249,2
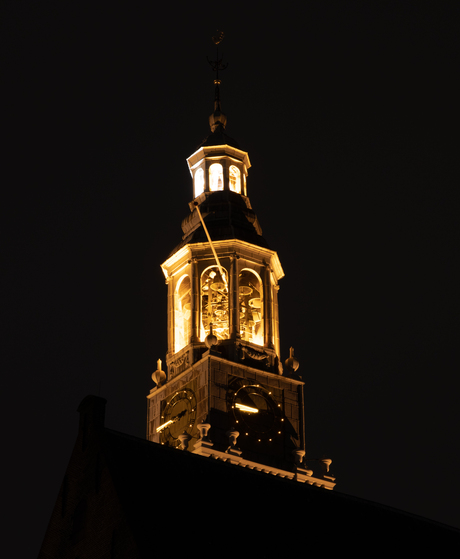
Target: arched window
251,307
235,179
216,177
214,304
199,182
182,313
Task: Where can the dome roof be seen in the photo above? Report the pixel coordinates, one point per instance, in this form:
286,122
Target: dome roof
219,138
227,216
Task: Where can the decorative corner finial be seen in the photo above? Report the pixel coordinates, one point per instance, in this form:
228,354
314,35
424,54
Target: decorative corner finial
211,338
292,363
159,376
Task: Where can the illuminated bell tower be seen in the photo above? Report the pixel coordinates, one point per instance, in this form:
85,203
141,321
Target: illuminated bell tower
225,393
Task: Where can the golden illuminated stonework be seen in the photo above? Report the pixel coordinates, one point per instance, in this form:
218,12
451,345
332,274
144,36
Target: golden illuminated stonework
226,393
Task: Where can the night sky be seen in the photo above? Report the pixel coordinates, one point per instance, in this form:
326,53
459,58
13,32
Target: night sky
347,110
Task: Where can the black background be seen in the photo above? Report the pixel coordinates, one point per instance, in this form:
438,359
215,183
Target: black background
347,110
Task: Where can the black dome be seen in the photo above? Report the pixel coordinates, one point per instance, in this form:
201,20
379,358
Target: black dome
219,138
227,216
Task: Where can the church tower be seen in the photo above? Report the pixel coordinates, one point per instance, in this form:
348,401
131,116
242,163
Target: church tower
226,393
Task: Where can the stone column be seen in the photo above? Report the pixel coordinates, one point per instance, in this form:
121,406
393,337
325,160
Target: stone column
170,283
226,173
276,319
184,439
207,163
233,299
268,307
195,301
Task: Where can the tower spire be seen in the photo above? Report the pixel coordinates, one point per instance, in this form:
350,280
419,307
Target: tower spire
217,118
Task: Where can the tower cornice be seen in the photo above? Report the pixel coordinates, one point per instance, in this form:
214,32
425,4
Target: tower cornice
224,248
207,152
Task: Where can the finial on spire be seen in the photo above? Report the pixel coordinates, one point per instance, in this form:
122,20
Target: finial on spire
217,116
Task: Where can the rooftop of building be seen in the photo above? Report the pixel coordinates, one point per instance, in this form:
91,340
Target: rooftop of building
170,499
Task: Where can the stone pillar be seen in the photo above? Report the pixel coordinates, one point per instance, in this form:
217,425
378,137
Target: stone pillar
268,306
298,457
232,438
184,439
276,319
170,283
195,302
225,170
233,299
207,164
203,429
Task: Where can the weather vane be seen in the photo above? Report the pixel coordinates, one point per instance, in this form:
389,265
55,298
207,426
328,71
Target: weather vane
219,37
217,65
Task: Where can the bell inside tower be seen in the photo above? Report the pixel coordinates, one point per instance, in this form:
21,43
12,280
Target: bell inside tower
214,304
250,307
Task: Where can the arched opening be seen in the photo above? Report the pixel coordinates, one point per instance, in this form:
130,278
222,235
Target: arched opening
199,182
182,313
214,304
216,177
235,179
251,307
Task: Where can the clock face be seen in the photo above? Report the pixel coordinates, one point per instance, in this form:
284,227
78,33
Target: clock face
256,412
179,415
